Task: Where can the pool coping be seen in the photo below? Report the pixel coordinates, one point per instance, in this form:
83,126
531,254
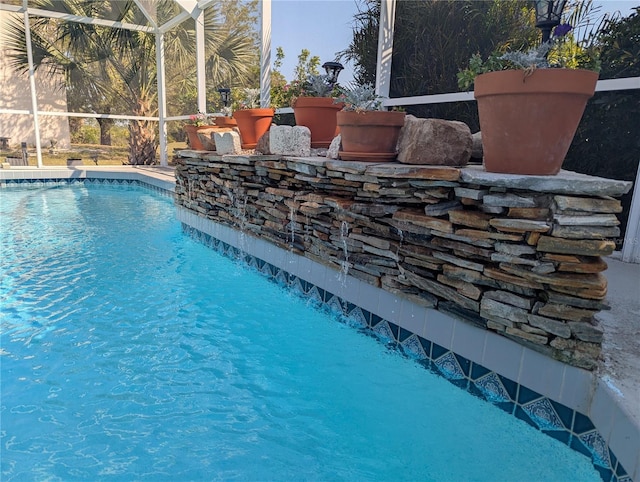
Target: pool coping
150,176
582,391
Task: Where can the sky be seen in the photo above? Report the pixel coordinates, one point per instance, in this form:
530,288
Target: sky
324,27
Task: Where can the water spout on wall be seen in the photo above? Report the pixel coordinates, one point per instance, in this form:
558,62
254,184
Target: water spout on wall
344,265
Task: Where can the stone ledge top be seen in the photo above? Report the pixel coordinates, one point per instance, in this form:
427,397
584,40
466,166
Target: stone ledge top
438,173
565,182
212,156
384,169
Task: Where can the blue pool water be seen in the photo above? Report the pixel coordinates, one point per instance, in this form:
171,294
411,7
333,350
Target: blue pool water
131,352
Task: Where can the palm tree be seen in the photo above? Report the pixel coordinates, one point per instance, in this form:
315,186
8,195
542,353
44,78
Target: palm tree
116,67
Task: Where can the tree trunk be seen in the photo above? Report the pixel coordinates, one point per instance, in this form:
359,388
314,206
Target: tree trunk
75,126
142,137
105,131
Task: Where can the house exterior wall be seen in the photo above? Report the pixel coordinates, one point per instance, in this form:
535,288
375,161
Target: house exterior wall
15,94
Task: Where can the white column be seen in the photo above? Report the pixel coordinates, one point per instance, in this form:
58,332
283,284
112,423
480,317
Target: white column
200,63
631,245
385,47
162,98
265,54
32,86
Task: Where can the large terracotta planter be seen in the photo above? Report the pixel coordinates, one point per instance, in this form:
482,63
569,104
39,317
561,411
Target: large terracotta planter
528,119
319,115
253,123
192,132
369,135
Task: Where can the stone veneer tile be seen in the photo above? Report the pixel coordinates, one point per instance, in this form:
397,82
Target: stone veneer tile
541,373
503,356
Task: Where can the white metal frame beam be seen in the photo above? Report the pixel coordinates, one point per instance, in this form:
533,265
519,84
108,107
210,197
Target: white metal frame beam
385,47
201,81
145,11
32,88
90,115
631,243
162,98
37,12
265,53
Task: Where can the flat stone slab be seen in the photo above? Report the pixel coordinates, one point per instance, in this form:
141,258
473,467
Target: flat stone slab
565,182
313,161
191,154
351,167
247,159
440,173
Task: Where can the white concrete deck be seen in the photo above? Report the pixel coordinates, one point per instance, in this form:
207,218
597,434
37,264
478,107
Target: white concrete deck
621,345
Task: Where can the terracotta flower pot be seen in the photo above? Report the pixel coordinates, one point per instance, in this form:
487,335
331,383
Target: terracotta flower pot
319,115
192,132
253,123
223,121
369,135
528,120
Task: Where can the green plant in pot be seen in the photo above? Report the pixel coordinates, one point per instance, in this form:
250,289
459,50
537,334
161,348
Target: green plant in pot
530,103
315,108
369,131
253,121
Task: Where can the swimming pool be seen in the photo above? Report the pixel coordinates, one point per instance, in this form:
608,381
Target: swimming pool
130,351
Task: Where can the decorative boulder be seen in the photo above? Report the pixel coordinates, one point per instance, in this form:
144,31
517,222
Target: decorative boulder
434,141
476,149
290,141
263,146
206,138
227,142
334,148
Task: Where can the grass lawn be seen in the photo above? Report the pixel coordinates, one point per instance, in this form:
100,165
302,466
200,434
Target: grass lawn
89,153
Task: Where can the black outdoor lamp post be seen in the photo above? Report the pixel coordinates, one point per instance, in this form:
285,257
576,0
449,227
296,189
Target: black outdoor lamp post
548,15
333,70
225,95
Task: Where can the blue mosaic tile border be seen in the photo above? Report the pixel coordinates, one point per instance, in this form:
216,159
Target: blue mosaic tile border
552,418
42,183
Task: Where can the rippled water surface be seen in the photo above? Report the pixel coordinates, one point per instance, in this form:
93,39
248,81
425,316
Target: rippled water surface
130,352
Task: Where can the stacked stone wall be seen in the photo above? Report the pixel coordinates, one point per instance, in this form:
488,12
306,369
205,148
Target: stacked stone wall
518,255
